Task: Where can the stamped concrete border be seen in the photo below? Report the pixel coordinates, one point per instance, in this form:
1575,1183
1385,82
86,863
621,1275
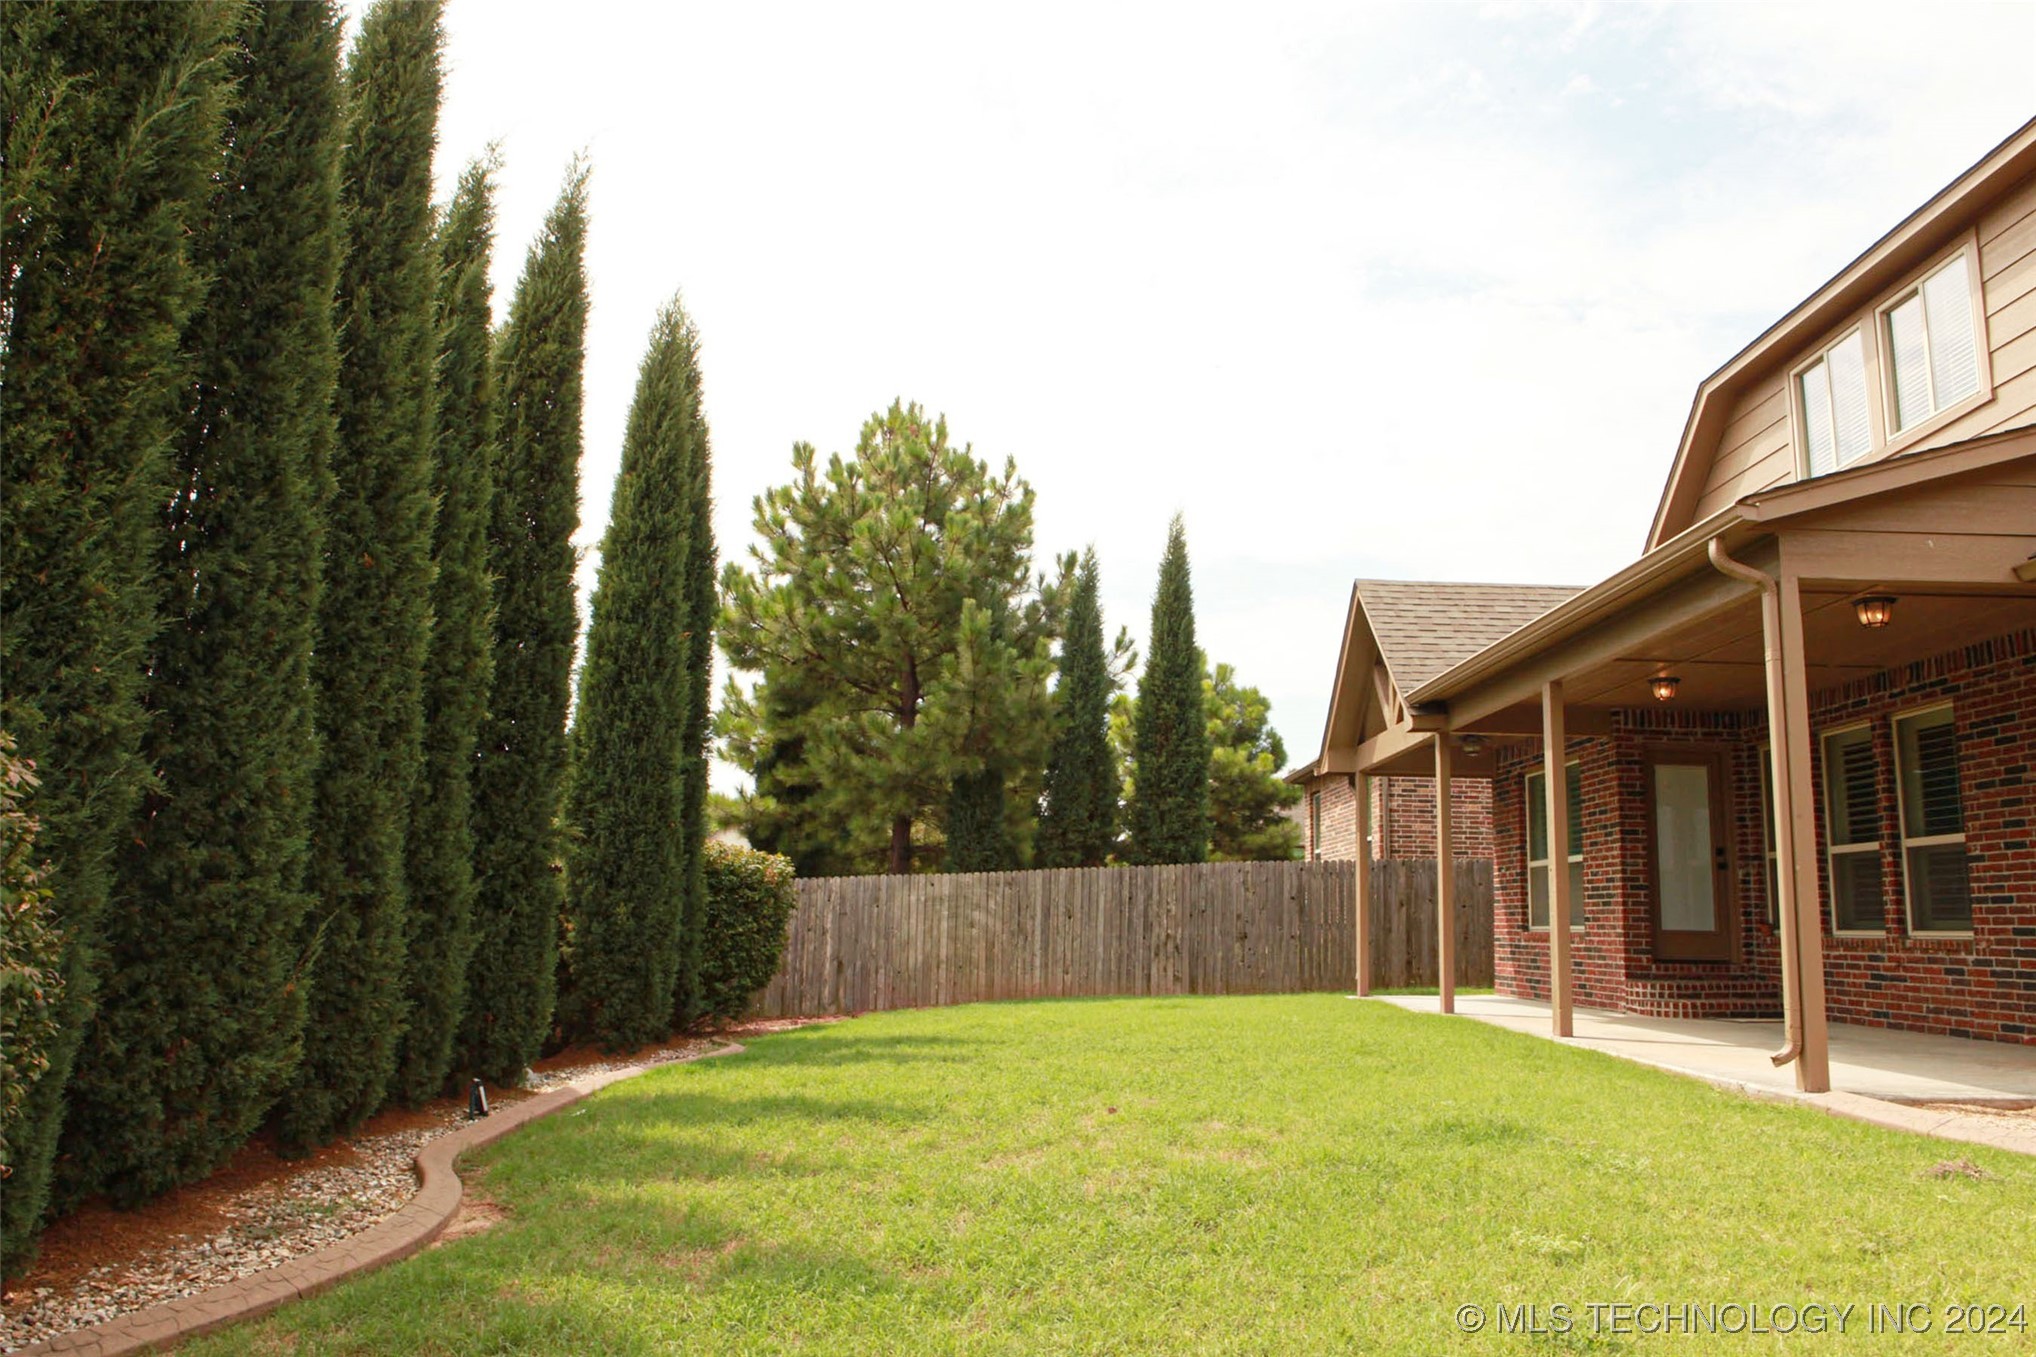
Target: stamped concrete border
413,1226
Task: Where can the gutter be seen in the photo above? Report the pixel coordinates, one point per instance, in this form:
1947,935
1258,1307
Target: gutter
1672,557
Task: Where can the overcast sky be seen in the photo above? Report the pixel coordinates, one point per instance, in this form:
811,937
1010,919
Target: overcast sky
1416,292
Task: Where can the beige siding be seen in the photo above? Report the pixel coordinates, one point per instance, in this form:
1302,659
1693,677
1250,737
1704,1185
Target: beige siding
1757,450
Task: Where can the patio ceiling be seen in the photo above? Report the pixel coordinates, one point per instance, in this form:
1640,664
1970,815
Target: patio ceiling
1720,661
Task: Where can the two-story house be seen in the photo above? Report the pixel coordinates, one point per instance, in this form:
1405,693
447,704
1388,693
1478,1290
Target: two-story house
1784,762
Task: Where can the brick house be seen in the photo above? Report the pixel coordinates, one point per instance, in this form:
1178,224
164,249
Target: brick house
1790,751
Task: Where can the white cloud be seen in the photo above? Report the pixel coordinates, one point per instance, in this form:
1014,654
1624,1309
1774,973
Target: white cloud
1362,291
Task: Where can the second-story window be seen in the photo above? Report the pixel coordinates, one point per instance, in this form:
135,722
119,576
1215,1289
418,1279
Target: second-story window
1931,346
1832,392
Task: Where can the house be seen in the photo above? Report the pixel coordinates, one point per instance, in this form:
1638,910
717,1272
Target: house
1789,754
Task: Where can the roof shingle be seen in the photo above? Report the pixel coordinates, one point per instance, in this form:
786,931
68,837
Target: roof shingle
1424,628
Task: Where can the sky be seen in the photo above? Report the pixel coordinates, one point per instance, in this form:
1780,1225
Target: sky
1417,292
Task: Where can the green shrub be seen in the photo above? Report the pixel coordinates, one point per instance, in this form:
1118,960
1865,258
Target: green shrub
31,949
749,902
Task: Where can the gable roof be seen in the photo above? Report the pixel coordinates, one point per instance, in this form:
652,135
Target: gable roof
1907,245
1426,627
1416,630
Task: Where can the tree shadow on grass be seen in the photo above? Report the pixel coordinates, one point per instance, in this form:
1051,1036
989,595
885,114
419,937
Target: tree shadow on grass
849,1049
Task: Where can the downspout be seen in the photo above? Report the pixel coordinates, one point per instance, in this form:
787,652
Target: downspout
1770,633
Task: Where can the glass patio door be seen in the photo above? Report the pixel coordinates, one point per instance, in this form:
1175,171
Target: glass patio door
1692,871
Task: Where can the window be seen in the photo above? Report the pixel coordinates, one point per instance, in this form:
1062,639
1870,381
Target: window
1767,836
1852,831
1537,847
1315,824
1931,346
1933,823
1832,396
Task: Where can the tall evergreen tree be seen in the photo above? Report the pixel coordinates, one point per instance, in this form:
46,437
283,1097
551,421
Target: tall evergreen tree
871,608
1078,820
374,626
520,776
1169,813
110,131
200,1010
440,859
703,612
626,884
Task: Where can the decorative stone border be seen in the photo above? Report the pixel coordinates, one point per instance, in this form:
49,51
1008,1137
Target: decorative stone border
388,1240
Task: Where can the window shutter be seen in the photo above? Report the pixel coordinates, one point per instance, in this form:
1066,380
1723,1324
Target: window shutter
1856,817
1817,436
1912,376
1847,365
1938,808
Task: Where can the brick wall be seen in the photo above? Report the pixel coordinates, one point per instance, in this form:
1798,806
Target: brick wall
1983,986
1402,817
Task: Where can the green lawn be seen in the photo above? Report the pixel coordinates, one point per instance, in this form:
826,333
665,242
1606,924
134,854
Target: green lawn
1278,1175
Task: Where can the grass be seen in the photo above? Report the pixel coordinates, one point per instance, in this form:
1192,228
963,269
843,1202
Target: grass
1244,1175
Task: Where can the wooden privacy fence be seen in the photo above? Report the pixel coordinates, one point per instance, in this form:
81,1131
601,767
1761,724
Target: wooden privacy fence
860,943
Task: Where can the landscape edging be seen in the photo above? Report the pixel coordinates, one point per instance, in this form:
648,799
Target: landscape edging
406,1231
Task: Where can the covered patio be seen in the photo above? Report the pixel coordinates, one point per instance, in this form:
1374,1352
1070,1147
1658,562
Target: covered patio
1891,1078
1675,726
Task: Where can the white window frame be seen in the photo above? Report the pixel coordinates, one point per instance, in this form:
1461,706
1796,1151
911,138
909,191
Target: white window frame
1833,849
1315,825
1576,923
1885,439
1897,439
1927,840
1875,426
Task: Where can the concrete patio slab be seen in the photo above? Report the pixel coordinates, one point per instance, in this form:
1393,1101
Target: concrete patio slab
1877,1075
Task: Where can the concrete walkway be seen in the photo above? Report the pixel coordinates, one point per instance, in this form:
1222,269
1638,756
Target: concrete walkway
1876,1075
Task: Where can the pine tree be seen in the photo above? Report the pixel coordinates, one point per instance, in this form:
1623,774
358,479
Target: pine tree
374,626
703,612
200,1008
519,780
1169,813
1078,821
1248,799
440,859
111,118
872,608
626,885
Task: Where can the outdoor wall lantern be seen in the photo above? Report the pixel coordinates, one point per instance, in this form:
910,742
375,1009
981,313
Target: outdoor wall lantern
1473,745
1877,611
1663,686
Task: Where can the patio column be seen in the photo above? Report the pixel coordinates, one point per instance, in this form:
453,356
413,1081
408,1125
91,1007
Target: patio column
1802,919
1555,777
1360,785
1445,879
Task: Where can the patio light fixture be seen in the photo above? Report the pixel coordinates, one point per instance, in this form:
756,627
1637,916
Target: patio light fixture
1876,611
1663,686
1473,745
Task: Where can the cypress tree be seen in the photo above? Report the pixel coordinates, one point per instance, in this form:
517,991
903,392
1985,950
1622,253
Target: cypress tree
519,778
200,1011
374,625
1169,814
1078,821
703,610
976,841
110,135
440,865
627,888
